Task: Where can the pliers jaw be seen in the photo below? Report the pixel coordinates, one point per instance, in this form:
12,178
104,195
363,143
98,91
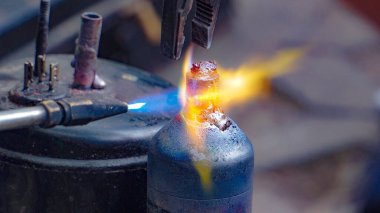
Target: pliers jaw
173,25
174,19
204,22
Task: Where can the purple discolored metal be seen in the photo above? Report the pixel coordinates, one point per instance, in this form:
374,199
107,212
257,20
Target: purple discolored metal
87,50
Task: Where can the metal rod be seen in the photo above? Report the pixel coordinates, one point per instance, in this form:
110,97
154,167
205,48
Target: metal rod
87,50
42,34
28,74
19,118
41,63
53,76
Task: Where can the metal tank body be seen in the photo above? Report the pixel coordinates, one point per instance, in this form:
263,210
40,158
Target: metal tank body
201,161
174,183
100,167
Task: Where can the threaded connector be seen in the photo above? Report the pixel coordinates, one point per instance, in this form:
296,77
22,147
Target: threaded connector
42,33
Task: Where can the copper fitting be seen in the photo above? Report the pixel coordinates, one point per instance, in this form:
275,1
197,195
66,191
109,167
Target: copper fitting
87,50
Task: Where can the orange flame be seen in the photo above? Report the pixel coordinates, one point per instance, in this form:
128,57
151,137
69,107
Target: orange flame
248,82
236,86
185,68
253,80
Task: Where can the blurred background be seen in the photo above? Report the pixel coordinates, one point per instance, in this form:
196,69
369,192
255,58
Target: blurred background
315,135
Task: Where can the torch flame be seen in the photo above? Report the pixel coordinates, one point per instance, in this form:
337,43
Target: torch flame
249,81
236,86
253,80
185,68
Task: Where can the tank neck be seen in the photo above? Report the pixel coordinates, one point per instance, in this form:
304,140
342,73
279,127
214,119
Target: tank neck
202,96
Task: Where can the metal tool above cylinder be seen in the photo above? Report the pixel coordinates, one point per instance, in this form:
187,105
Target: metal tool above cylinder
174,18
